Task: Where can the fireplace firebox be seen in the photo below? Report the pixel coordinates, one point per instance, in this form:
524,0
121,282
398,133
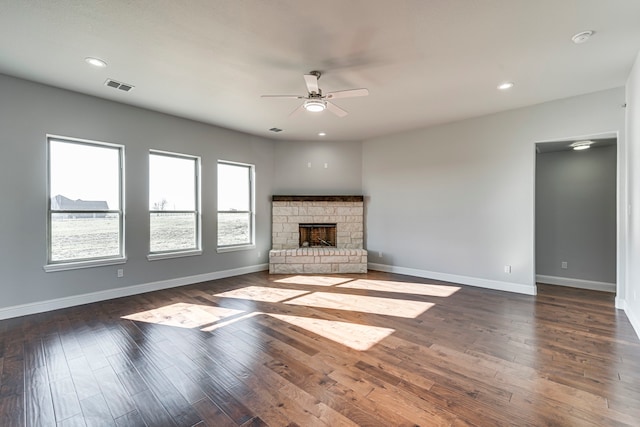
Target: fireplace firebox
317,235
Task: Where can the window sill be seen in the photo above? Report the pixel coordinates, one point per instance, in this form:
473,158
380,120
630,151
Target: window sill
169,255
223,249
63,266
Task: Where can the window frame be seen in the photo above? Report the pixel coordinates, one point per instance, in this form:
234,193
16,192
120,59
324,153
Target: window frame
176,253
252,220
72,264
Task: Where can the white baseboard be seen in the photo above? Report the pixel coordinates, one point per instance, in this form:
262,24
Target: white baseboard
577,283
454,278
633,319
58,303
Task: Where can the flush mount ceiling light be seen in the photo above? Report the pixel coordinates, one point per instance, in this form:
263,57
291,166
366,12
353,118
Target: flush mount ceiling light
505,85
581,145
96,62
582,37
322,134
315,105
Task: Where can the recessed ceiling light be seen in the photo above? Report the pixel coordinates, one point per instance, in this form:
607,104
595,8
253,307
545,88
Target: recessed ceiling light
581,145
322,134
96,62
582,37
505,85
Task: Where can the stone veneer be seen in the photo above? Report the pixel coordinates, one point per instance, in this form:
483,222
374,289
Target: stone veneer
347,212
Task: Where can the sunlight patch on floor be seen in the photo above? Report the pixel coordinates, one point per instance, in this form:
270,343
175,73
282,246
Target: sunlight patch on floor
363,304
353,335
230,321
402,287
261,293
183,315
314,280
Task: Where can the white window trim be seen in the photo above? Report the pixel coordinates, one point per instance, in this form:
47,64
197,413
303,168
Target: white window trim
233,248
53,266
252,211
174,253
76,265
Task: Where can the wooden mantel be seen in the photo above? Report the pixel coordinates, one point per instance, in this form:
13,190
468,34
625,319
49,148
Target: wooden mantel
281,198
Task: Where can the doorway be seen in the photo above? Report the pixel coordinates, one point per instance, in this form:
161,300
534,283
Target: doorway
576,212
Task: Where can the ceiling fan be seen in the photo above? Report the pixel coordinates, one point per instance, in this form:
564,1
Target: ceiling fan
316,102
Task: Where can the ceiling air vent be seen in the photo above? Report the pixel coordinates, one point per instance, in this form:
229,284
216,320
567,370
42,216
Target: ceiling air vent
119,85
276,130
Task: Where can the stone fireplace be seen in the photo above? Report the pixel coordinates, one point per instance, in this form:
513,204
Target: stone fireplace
317,234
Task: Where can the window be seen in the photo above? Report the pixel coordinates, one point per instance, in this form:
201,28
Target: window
85,209
235,206
174,205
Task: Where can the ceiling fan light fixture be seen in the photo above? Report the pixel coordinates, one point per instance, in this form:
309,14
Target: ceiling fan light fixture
315,105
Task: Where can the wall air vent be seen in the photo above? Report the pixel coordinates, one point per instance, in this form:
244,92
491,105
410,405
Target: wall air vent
119,85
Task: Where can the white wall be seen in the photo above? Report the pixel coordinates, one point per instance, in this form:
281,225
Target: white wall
632,296
30,111
456,202
342,175
576,217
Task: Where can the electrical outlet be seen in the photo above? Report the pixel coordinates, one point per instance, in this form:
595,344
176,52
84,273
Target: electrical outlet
120,272
379,254
259,254
507,269
564,265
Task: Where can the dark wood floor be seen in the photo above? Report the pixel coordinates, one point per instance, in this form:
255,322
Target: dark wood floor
371,350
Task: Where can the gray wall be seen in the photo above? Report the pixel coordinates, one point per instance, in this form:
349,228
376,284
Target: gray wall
576,214
29,111
343,174
458,199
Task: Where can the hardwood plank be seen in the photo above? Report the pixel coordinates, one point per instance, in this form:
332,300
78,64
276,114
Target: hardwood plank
152,412
96,412
132,419
175,404
83,378
65,399
55,357
39,405
116,397
212,414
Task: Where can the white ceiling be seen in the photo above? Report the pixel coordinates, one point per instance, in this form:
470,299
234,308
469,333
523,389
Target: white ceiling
424,61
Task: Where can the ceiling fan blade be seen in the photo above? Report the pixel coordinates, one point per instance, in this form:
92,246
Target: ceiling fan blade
336,110
283,96
350,93
312,83
297,111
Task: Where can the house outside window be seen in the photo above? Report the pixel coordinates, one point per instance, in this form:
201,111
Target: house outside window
236,217
174,205
85,209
